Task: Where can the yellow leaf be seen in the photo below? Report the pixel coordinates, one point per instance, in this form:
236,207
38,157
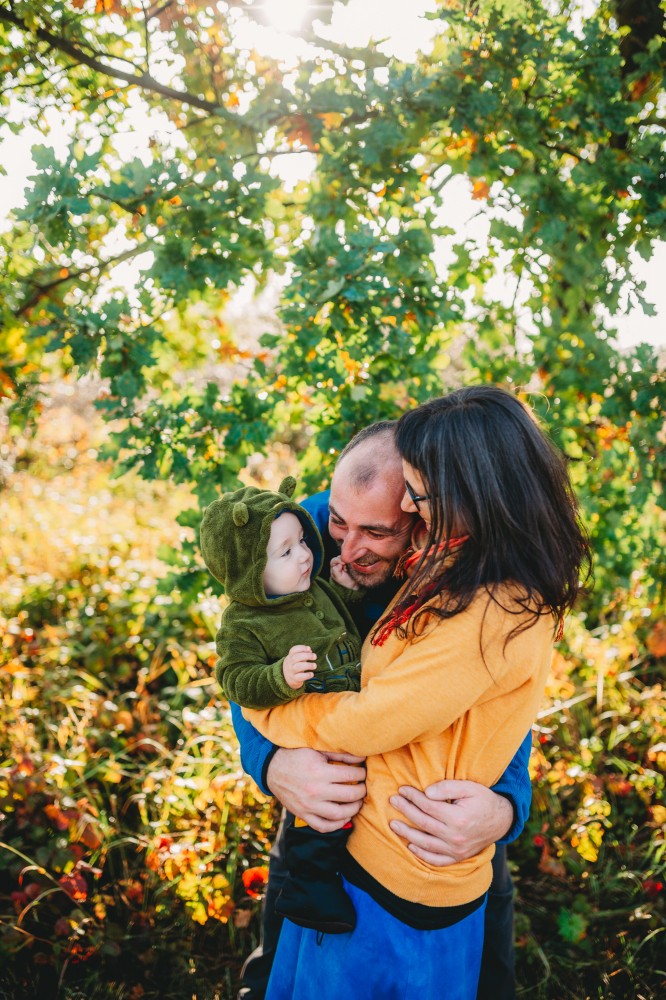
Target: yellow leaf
659,815
331,119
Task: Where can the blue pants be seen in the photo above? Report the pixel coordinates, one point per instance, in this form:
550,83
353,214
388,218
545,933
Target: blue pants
382,959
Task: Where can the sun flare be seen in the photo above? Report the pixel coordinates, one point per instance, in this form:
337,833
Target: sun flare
284,15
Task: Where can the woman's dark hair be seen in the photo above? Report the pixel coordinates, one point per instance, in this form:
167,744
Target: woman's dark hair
493,475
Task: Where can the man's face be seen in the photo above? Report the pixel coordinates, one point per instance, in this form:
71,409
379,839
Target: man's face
369,526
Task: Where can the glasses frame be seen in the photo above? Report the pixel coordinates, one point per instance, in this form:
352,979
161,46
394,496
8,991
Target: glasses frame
416,500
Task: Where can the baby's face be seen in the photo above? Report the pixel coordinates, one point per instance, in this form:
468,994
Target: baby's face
288,558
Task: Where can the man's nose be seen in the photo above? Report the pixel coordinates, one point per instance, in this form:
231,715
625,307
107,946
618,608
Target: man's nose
352,547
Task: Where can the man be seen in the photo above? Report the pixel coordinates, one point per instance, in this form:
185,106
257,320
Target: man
361,519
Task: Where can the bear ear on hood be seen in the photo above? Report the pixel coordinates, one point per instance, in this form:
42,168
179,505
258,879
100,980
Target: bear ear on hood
240,514
287,486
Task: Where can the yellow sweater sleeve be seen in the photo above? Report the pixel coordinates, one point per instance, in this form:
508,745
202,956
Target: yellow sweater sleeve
421,689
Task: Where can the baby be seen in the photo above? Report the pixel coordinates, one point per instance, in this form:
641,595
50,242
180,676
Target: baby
284,632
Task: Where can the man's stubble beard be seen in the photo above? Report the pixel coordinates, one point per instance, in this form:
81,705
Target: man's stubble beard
385,571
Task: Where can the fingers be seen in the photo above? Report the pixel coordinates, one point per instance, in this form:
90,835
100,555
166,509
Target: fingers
429,836
297,675
345,774
299,666
350,792
417,817
300,654
420,844
330,816
438,860
442,791
346,758
301,672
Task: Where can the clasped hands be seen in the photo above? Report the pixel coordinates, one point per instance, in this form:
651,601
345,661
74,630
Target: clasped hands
447,822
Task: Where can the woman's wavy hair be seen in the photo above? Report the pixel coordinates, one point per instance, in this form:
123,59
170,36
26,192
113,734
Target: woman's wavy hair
493,475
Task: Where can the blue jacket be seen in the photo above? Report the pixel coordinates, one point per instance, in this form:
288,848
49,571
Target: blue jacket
256,752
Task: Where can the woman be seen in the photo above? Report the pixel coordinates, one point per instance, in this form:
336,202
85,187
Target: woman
451,680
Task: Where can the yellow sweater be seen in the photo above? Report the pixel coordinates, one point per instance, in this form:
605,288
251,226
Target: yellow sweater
428,708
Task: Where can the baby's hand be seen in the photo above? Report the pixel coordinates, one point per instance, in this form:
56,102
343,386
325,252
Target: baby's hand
299,666
340,575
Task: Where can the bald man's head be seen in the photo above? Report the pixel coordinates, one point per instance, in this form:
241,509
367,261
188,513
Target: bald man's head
370,454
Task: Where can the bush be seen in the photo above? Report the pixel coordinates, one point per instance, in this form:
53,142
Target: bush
589,868
125,822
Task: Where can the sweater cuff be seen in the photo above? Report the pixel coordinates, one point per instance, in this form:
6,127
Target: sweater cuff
263,784
515,785
254,748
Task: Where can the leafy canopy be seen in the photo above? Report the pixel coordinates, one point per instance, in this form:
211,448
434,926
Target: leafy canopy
550,112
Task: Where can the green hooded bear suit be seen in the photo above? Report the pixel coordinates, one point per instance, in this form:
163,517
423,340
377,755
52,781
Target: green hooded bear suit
258,631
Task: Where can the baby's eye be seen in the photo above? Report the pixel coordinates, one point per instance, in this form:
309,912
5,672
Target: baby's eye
286,553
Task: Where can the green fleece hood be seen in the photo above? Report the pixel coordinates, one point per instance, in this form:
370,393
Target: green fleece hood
234,537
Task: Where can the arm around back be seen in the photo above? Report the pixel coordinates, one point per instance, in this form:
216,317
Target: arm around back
515,785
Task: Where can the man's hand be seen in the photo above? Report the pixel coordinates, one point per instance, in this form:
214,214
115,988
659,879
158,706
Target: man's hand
299,666
312,786
451,820
340,574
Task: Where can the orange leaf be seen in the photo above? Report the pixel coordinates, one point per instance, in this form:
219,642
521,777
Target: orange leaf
300,133
480,190
656,641
254,880
109,7
639,87
90,837
57,816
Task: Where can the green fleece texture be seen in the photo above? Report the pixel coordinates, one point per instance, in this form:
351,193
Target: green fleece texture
258,631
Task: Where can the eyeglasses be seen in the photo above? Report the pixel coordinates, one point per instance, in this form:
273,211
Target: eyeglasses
416,500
